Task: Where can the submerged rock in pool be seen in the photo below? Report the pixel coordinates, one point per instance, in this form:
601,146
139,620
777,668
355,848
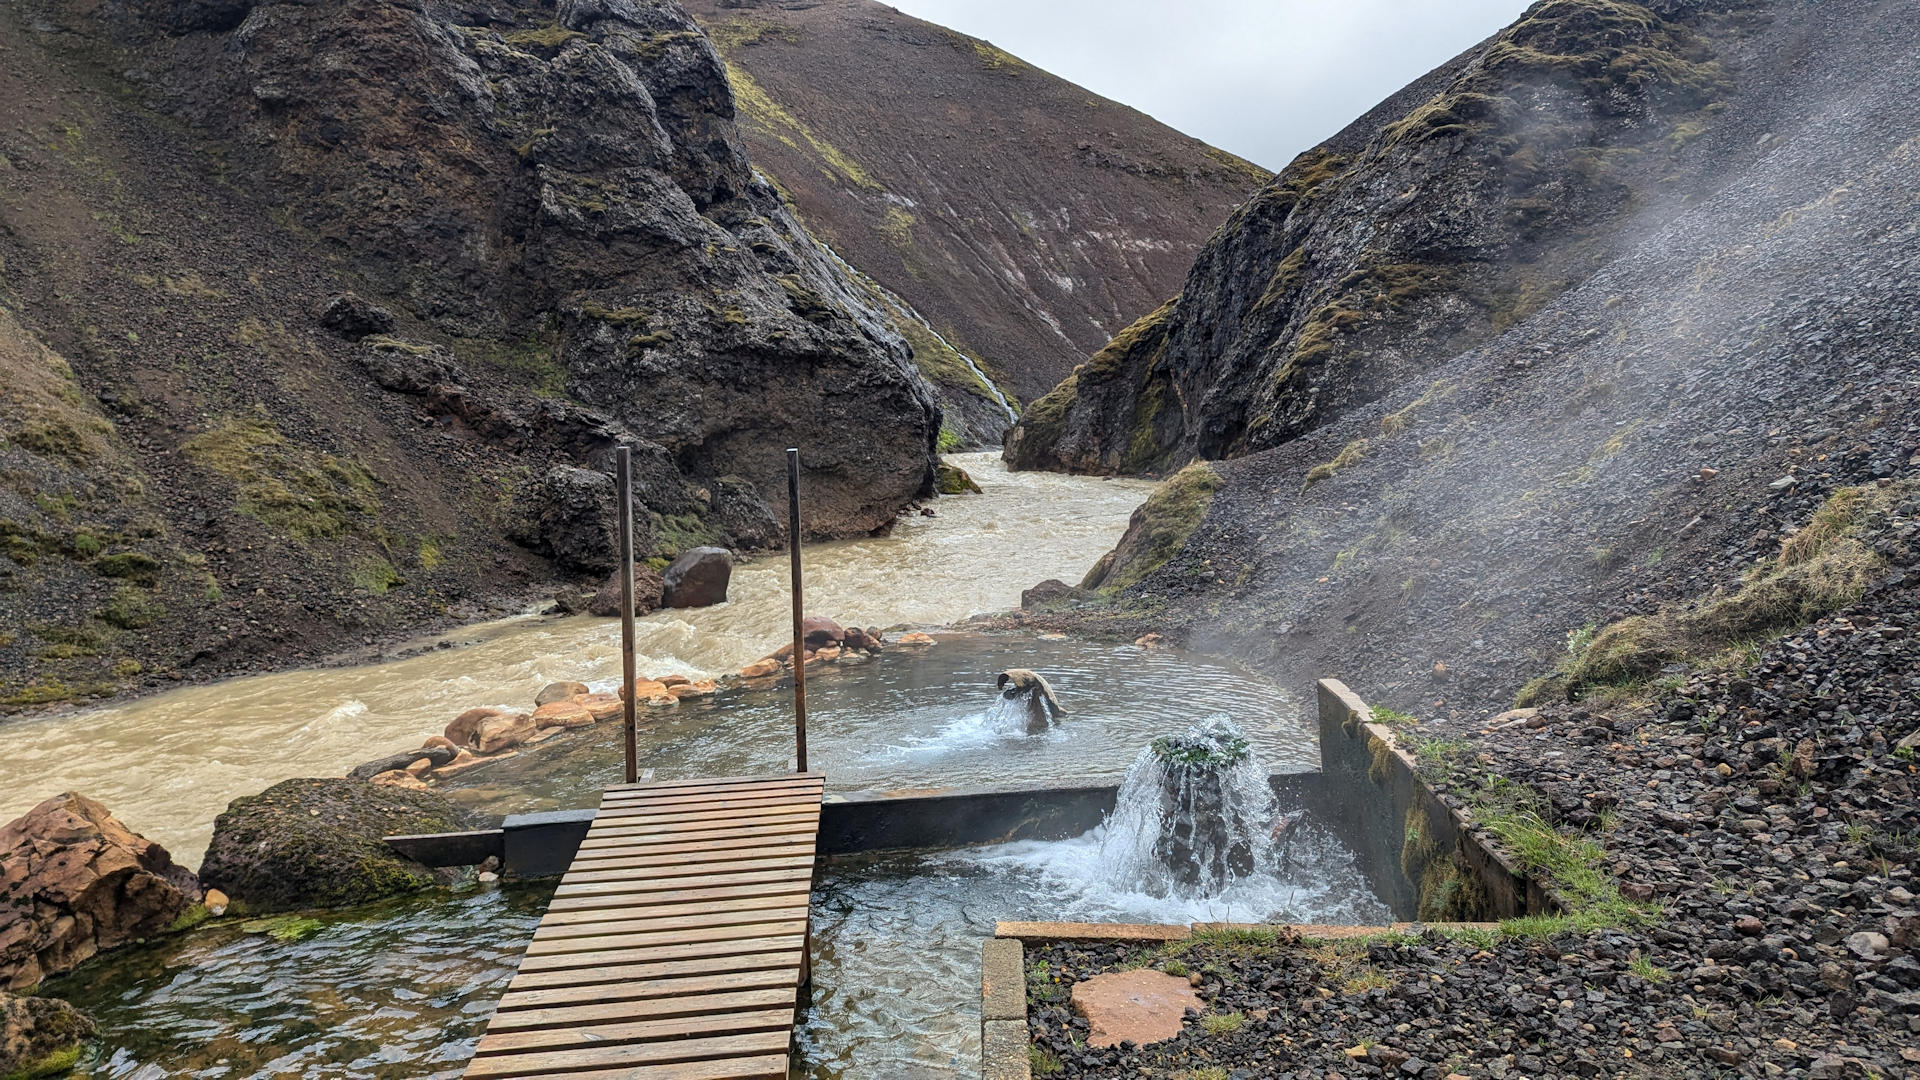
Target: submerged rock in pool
74,881
40,1036
312,843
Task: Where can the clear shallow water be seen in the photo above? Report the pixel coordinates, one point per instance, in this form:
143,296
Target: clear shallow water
404,989
168,764
397,990
918,718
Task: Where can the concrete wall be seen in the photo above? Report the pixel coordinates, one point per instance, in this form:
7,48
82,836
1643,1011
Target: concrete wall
1410,845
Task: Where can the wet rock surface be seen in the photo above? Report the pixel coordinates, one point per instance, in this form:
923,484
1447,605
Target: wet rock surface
74,881
40,1036
315,843
698,578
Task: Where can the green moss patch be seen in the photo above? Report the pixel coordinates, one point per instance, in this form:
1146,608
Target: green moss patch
1161,526
294,489
1825,566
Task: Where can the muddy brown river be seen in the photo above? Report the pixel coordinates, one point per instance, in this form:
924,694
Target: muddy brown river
168,764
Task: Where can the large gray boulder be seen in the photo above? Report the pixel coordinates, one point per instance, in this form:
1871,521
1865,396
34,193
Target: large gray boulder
314,843
74,881
698,578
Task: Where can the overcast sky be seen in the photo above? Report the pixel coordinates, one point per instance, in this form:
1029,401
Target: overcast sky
1263,78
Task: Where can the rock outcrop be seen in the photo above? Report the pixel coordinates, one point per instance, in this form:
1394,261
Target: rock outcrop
316,843
647,590
554,245
1075,212
74,881
1447,215
40,1036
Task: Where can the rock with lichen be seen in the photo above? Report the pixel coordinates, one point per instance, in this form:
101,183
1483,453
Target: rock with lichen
317,843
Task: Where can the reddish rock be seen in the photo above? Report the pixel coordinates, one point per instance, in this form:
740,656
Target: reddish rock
914,639
760,668
503,733
1142,1006
855,638
643,689
819,630
466,726
602,706
74,881
701,688
562,714
671,681
558,691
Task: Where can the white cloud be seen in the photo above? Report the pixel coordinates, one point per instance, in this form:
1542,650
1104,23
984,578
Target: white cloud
1263,78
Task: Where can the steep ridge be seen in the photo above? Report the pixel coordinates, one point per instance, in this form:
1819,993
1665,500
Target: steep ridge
1435,222
1027,219
322,323
1681,431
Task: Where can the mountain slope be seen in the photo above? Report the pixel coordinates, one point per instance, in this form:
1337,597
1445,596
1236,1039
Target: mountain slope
1028,219
1435,222
1687,429
322,323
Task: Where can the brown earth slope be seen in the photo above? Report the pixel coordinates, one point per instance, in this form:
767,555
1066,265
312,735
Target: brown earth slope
209,463
1026,218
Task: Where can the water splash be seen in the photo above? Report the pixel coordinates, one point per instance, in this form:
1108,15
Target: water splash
1194,815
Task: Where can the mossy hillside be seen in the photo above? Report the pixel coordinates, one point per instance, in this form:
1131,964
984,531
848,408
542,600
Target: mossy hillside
780,124
1820,569
292,488
1160,528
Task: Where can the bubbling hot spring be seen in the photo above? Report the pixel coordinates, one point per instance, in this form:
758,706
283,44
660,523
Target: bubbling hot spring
1194,816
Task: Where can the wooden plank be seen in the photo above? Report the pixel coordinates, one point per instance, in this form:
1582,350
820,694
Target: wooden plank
661,785
605,889
805,829
778,894
607,819
702,855
643,987
647,921
621,969
571,1061
614,848
674,1028
770,1067
708,796
648,1009
718,956
688,879
691,935
808,819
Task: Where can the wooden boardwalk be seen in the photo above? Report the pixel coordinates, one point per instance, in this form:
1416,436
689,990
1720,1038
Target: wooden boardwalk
676,944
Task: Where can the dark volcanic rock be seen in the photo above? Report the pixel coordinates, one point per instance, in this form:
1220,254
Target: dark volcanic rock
74,881
698,578
313,843
352,317
40,1036
569,515
1439,219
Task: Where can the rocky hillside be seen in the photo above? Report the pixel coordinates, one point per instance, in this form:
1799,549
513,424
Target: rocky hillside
318,323
1025,218
1441,219
1706,422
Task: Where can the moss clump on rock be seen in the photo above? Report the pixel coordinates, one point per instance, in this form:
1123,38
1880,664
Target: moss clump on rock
317,843
953,480
1160,528
40,1036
